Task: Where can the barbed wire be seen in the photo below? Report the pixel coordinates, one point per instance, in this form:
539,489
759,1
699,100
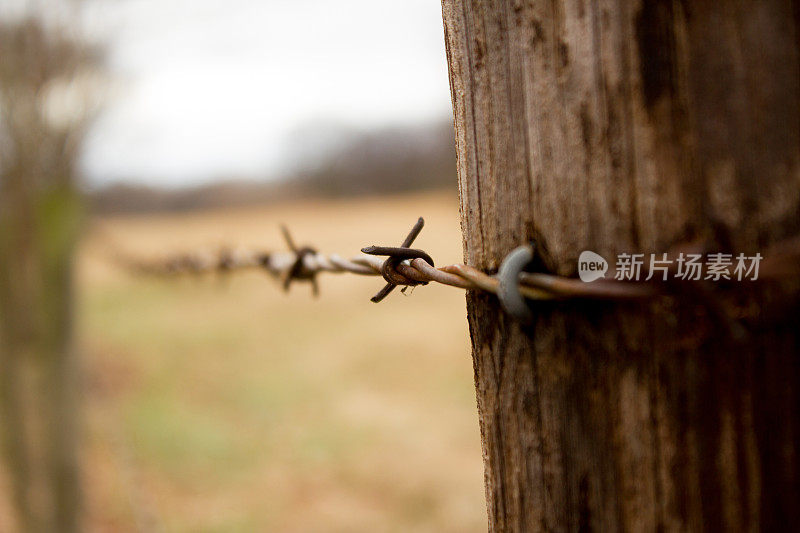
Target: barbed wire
405,266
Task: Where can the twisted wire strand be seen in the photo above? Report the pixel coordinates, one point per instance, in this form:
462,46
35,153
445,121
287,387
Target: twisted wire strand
409,267
533,286
416,271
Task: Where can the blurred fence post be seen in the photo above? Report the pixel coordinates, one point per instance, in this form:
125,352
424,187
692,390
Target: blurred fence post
631,127
39,220
39,370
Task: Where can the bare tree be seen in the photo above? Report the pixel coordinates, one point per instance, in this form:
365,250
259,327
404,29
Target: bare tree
632,126
42,122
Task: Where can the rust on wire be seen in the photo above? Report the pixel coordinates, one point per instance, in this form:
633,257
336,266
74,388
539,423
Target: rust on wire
396,255
409,267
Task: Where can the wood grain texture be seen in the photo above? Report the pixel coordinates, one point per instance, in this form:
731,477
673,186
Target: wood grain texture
629,126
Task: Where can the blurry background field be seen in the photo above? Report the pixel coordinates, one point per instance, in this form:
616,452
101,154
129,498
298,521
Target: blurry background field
220,403
223,404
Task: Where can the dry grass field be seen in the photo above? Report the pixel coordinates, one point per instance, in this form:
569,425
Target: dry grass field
223,404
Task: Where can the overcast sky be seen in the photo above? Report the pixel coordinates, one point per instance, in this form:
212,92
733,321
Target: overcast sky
214,88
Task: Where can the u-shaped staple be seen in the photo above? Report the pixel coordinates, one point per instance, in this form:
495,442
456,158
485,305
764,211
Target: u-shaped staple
508,287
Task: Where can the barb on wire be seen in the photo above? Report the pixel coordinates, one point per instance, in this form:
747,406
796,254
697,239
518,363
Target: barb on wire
298,270
396,255
409,267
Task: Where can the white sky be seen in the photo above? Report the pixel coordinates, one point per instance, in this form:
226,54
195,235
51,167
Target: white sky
216,88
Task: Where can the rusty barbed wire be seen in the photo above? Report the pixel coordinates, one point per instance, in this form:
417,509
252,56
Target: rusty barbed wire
405,266
395,256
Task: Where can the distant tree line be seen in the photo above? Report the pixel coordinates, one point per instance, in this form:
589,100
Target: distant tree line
385,161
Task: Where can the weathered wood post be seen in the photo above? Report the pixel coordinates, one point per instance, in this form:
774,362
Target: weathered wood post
40,216
632,126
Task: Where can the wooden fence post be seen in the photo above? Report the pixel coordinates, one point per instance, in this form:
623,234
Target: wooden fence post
632,126
40,216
